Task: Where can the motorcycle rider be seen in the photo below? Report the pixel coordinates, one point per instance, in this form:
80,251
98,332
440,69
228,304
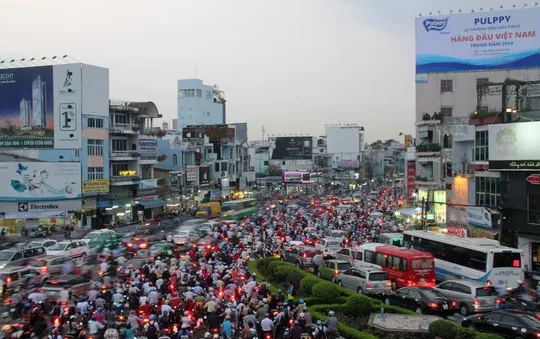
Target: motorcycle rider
267,325
331,325
184,333
320,330
226,328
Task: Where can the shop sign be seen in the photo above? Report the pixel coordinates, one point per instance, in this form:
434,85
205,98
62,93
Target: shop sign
191,173
127,173
41,206
457,231
104,204
96,186
149,183
479,216
534,179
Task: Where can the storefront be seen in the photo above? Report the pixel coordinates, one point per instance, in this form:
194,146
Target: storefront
435,204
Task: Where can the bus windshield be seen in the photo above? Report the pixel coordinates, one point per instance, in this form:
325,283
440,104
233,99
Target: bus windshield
507,259
419,264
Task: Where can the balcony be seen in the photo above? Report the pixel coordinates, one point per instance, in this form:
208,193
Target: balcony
125,180
428,150
426,181
124,128
125,155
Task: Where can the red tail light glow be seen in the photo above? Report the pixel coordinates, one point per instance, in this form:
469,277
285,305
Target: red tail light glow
433,305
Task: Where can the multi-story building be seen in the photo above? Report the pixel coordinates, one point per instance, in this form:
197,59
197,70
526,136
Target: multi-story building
25,111
39,102
200,104
461,96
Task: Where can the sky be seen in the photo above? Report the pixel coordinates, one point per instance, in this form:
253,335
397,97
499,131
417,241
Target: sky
290,65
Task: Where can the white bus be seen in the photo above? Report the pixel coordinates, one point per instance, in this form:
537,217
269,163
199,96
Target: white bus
477,259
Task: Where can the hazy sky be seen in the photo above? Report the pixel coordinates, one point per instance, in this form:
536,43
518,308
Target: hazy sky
290,65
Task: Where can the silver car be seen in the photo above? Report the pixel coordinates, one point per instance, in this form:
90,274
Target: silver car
351,255
365,280
471,296
52,264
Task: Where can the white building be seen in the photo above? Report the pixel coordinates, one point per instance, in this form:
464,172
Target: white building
200,104
25,114
39,103
345,144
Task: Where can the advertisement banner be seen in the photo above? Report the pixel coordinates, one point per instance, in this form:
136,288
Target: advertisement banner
41,206
148,184
148,145
191,173
204,175
40,107
514,146
508,39
458,231
33,181
96,186
293,176
411,177
479,216
215,194
290,148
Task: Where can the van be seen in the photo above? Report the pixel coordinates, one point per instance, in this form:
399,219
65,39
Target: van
213,207
20,257
365,280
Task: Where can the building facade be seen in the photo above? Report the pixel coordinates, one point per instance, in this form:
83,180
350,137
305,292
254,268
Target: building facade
200,104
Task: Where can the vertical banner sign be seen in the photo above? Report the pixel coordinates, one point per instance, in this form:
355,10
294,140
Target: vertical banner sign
411,176
191,173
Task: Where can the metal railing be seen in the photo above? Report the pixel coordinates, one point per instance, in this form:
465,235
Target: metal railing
125,154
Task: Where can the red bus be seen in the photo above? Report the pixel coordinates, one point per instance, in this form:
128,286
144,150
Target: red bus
405,267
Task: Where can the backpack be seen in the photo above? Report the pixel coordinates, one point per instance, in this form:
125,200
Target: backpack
152,330
321,333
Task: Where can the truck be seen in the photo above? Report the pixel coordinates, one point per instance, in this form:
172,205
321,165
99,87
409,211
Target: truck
209,210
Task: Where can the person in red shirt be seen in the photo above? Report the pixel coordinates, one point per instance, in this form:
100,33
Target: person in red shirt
146,308
175,300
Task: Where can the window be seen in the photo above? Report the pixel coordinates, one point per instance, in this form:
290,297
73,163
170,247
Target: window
208,95
482,81
265,163
175,160
117,168
446,86
95,173
119,145
189,93
95,147
199,93
446,111
534,209
488,191
95,123
481,146
120,119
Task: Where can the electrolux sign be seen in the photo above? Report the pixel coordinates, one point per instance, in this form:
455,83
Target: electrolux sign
40,107
478,41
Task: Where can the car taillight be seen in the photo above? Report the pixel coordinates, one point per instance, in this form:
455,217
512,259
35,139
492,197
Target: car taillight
476,302
453,304
433,305
143,245
304,255
369,283
537,334
129,245
336,272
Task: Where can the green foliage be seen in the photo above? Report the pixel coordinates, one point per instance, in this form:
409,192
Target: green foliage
325,291
307,283
273,265
281,273
265,262
444,329
358,305
465,333
345,331
488,336
294,278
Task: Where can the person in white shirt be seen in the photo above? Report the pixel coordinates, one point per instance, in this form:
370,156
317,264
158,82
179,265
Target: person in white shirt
267,325
159,282
146,287
143,299
82,306
64,294
166,309
118,298
104,267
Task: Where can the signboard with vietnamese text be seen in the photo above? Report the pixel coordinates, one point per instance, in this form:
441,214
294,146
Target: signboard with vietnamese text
96,186
480,41
191,173
411,177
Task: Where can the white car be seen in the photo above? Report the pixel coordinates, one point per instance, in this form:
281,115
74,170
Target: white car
76,249
43,242
185,236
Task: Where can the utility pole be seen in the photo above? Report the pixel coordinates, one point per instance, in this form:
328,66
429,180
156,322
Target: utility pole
423,212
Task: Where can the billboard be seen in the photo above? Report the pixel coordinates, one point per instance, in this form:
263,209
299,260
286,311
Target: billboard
148,184
514,147
40,208
191,173
293,148
34,181
96,186
40,107
204,175
479,41
411,179
148,145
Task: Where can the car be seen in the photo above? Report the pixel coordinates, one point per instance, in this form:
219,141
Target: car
135,244
426,300
20,277
352,255
472,296
165,248
76,283
330,269
20,256
185,236
365,280
329,246
51,264
42,243
101,239
300,255
512,324
75,249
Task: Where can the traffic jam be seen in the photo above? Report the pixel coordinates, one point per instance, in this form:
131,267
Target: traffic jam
193,281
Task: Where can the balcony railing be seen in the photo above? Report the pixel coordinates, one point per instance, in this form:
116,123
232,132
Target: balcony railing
118,127
125,154
125,178
431,147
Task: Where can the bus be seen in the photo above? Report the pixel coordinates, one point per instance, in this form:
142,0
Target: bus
394,239
479,259
405,267
238,209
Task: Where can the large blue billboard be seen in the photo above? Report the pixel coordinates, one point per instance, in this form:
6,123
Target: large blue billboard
478,41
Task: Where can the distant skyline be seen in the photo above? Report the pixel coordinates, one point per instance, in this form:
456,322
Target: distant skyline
292,66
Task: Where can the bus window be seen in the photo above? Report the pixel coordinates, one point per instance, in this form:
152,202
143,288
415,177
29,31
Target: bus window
507,259
420,264
380,259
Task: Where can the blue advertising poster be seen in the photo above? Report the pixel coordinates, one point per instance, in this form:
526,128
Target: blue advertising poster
478,41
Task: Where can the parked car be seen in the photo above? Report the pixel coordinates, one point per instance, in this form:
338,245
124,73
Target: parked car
330,269
20,256
75,249
42,243
300,255
51,264
471,296
425,300
75,283
19,277
512,324
365,280
349,254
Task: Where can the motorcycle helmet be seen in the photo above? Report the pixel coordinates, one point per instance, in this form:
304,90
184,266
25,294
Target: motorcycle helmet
301,301
331,313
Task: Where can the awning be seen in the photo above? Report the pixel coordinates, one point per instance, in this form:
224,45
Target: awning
152,203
